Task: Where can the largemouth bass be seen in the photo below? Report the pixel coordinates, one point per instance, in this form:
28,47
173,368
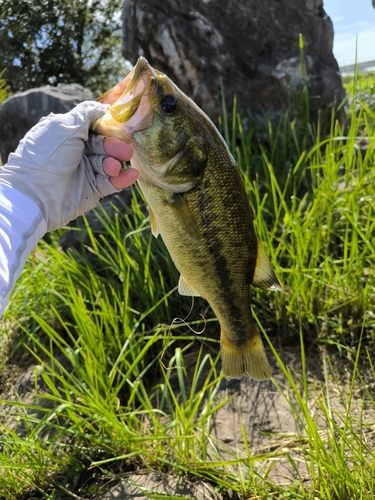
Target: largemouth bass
197,202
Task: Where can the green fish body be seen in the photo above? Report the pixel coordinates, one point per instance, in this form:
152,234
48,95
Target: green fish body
198,204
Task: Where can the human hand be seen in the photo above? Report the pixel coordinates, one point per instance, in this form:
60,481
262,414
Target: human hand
65,168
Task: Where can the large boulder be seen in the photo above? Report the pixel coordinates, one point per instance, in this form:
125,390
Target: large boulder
251,47
24,109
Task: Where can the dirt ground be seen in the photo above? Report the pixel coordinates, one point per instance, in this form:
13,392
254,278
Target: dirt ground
257,410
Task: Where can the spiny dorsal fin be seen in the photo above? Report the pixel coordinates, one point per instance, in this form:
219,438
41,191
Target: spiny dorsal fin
184,215
264,275
185,289
154,224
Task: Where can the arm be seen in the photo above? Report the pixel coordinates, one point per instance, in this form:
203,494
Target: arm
59,170
21,226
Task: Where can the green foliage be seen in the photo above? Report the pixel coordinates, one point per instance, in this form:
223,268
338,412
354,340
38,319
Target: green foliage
313,200
338,457
61,41
126,383
362,85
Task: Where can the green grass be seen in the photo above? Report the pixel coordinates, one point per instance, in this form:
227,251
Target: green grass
362,85
123,384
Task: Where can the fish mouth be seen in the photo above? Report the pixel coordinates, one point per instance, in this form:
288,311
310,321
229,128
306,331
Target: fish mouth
136,85
130,109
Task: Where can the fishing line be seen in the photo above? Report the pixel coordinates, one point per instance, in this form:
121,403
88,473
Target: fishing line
177,323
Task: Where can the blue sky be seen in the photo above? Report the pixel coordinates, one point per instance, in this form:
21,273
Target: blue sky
351,18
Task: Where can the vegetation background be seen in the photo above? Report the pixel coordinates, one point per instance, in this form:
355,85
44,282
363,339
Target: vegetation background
51,42
123,385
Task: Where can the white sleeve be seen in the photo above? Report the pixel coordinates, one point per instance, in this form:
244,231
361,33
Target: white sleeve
21,226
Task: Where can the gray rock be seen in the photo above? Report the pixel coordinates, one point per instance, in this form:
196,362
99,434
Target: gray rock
251,47
23,110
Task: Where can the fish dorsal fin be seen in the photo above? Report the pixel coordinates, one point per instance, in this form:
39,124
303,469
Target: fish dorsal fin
154,224
185,289
184,215
264,275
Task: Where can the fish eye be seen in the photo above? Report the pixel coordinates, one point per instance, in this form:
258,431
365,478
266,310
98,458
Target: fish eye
168,103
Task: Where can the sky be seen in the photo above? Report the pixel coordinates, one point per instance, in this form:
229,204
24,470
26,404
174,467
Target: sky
351,18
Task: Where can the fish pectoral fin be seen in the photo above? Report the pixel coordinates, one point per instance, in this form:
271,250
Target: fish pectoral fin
184,288
168,167
154,224
184,215
264,275
246,356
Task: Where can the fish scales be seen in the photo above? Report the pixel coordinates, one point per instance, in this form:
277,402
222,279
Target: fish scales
198,203
224,278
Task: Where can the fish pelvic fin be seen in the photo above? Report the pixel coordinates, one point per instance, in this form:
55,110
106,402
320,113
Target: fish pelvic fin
248,357
153,223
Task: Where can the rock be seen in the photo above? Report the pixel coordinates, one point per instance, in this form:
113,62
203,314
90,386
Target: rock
23,110
251,47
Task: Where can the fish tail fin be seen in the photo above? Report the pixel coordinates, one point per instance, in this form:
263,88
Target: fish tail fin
248,357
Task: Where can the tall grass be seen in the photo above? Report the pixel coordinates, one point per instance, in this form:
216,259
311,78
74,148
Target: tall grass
313,200
122,384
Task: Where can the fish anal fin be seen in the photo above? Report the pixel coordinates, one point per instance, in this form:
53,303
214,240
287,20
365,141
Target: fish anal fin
184,288
243,357
184,215
264,275
154,224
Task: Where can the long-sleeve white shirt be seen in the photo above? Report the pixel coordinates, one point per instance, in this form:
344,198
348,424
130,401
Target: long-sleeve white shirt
21,226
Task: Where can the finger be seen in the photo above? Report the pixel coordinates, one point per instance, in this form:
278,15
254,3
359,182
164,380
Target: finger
111,166
125,178
117,149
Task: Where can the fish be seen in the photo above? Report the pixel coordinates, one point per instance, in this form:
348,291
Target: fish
197,202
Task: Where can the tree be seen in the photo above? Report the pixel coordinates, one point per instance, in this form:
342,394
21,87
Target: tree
61,41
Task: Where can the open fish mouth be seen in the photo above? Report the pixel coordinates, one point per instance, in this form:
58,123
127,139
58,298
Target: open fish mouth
130,107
